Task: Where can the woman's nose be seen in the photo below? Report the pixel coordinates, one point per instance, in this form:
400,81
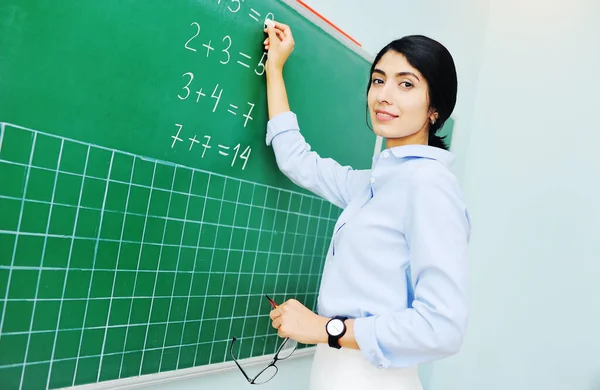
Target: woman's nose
384,94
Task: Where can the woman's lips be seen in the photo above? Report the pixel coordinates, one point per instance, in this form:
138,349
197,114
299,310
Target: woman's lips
384,116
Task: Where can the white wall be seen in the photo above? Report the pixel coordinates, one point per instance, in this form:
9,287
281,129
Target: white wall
533,187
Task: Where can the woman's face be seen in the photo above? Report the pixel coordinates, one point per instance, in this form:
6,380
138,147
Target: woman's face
398,101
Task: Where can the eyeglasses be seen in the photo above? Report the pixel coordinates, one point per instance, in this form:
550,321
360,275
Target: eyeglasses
285,350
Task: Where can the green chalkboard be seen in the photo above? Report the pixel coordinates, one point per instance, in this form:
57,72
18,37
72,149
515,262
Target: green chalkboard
142,217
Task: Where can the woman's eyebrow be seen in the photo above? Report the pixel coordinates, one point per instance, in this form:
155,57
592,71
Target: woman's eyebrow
399,74
379,71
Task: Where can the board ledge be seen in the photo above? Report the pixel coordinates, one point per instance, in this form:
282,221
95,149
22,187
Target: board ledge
186,373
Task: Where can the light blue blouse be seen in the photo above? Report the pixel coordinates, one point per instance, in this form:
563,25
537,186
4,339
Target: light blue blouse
397,261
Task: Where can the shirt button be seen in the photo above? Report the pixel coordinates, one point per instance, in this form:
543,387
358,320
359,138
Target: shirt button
372,180
386,154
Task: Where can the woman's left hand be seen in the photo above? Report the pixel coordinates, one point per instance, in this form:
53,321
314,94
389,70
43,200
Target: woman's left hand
294,320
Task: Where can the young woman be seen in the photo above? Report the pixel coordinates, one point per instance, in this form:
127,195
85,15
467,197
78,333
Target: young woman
394,287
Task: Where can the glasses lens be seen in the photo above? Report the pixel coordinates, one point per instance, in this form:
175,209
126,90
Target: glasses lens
287,349
266,375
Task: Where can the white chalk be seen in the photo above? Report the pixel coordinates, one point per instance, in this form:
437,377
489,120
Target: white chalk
269,23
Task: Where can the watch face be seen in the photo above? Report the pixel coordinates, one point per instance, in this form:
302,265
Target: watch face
335,327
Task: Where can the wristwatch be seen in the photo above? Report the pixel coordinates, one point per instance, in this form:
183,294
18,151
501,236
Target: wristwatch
336,328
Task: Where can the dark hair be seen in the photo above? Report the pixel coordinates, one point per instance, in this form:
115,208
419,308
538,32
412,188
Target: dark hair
436,65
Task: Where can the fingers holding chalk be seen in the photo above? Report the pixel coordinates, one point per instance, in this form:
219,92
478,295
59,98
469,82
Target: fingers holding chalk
279,37
279,43
280,28
273,31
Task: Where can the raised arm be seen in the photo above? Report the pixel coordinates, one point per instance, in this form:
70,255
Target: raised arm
279,51
322,176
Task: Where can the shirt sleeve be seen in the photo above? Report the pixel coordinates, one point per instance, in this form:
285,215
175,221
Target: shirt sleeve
437,231
322,176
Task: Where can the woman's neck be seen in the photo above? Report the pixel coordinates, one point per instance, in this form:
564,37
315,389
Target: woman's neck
418,138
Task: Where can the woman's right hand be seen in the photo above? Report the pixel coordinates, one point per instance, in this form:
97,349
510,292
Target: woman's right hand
279,45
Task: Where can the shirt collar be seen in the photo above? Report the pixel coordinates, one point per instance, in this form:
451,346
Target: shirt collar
424,151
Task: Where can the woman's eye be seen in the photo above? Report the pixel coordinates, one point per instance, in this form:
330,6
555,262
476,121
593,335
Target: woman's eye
406,84
377,81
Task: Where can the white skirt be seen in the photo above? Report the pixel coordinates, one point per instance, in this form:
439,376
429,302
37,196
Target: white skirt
347,369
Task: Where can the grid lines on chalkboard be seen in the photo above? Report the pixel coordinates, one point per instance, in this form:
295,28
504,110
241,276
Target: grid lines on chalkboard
117,265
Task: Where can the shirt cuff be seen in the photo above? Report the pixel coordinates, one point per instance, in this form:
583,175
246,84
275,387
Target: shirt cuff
364,334
281,123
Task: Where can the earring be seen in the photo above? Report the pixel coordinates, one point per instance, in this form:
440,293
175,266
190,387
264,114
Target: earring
432,121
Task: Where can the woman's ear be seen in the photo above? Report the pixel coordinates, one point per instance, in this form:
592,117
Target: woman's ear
433,116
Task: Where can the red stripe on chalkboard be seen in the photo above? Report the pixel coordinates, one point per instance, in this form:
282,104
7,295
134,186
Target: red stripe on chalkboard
328,22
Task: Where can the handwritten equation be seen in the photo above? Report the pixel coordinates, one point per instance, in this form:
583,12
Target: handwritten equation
205,144
238,6
224,47
225,51
216,95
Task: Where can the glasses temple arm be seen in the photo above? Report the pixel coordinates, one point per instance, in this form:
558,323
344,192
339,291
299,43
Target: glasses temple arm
238,364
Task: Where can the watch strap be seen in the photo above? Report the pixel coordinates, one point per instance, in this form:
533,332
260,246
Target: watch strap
334,341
